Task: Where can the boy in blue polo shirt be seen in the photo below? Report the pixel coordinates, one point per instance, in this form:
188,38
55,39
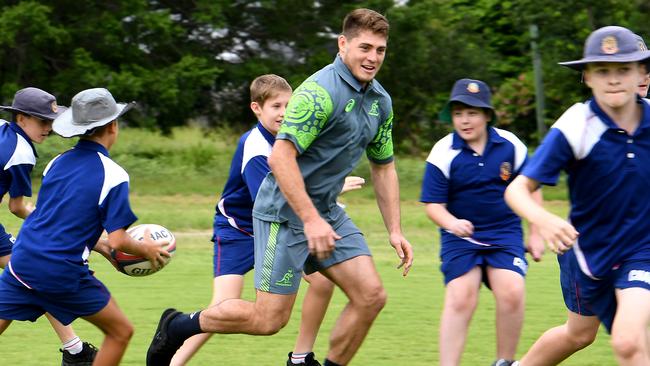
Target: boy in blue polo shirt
604,146
233,222
83,193
33,111
481,238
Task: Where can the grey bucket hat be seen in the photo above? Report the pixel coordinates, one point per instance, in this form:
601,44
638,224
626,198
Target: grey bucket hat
610,44
90,109
474,93
35,102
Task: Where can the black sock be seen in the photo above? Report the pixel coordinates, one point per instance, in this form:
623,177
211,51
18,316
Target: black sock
183,326
330,363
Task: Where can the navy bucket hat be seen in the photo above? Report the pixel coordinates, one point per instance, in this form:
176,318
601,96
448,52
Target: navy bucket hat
474,93
611,44
35,102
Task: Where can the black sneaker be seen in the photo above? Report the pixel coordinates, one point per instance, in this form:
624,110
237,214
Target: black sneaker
309,360
503,362
161,350
83,358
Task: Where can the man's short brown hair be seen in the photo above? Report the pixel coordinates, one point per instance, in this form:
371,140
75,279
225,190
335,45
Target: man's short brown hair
360,20
267,86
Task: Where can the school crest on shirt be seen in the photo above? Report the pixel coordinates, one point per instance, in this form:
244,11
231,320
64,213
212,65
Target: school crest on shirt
609,45
505,171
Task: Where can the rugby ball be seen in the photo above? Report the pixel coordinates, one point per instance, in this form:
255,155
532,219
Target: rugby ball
137,266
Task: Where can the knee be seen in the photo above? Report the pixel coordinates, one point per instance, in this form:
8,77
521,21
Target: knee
461,303
626,345
320,285
511,301
122,333
582,340
271,325
371,299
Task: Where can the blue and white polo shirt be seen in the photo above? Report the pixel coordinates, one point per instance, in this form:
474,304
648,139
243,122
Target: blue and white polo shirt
83,193
17,158
609,178
247,171
472,187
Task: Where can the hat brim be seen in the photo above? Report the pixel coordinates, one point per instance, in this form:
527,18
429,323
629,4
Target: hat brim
445,114
65,126
48,117
579,65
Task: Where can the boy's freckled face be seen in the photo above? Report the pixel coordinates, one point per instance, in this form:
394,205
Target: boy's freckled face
271,114
469,122
614,85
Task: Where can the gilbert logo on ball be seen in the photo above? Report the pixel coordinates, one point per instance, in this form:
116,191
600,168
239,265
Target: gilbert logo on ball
137,266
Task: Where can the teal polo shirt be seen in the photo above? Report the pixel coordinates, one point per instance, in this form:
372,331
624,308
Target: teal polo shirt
332,120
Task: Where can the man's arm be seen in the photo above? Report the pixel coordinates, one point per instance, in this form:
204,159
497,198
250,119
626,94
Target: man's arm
556,232
386,183
320,235
535,243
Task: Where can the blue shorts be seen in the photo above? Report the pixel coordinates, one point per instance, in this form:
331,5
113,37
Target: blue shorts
586,296
17,302
234,252
456,263
6,242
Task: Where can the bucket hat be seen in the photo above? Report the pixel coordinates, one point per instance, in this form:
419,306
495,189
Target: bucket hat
35,102
89,109
474,93
610,44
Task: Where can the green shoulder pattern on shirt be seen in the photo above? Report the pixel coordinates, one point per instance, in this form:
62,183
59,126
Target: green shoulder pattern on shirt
381,147
309,108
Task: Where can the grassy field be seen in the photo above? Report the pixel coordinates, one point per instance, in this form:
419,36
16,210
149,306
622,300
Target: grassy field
172,187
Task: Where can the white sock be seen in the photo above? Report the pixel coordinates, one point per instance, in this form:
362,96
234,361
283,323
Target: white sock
73,346
298,358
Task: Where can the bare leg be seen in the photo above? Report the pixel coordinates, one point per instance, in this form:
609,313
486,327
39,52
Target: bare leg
65,332
558,343
508,289
461,298
630,327
267,315
314,307
223,287
4,323
118,332
4,260
359,280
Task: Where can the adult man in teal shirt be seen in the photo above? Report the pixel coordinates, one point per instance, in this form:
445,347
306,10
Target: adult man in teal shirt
332,118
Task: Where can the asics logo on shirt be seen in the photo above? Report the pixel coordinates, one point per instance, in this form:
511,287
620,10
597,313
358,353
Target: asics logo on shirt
518,262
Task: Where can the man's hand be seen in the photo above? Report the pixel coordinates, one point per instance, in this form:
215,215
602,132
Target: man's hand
153,250
404,252
535,247
321,237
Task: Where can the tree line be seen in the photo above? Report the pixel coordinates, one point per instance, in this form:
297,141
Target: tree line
193,60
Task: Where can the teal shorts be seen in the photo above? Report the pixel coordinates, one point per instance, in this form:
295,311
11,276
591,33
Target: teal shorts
282,253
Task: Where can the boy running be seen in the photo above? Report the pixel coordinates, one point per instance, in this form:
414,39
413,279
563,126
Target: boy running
604,146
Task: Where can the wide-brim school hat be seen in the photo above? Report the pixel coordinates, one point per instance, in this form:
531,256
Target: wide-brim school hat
35,102
474,93
610,44
89,109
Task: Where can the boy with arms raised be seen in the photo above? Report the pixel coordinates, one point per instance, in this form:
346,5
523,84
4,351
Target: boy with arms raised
604,146
33,111
233,222
482,240
335,116
83,193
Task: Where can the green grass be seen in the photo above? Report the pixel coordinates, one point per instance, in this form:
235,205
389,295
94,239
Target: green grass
406,332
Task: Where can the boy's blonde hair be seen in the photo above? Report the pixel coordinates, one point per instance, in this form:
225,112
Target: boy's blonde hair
360,20
267,86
